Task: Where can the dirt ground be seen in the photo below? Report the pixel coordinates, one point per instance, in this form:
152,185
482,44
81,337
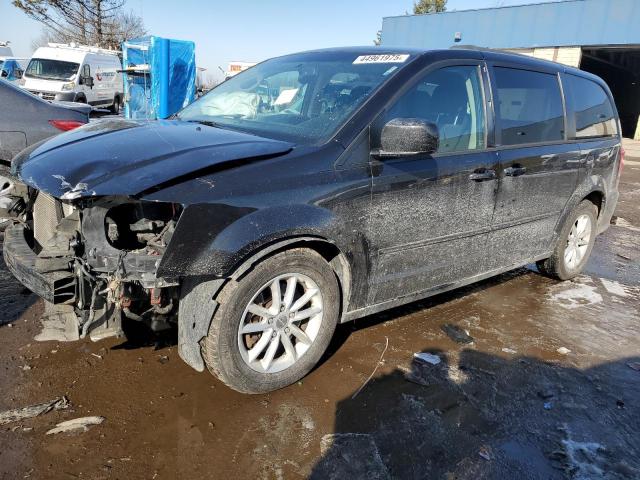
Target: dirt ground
507,405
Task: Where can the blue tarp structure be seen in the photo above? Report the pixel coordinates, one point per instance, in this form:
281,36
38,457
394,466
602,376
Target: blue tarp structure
160,76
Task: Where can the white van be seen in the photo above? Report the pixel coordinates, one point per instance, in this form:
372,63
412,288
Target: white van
76,73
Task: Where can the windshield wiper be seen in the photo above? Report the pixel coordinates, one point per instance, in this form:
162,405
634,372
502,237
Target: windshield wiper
208,123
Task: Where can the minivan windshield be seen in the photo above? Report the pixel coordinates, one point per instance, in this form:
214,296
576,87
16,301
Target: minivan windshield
305,98
51,69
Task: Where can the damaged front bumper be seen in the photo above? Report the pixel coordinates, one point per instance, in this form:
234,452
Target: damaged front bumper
54,286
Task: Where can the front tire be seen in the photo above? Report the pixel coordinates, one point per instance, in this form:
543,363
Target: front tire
273,325
574,245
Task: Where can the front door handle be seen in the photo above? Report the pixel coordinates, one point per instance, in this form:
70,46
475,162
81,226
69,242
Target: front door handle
482,174
514,171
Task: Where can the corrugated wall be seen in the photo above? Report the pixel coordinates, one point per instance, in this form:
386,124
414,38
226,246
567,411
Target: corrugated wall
569,23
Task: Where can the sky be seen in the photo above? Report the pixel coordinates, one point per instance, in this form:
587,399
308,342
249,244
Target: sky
249,30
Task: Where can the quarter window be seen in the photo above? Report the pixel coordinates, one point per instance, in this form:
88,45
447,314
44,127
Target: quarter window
451,98
529,106
594,114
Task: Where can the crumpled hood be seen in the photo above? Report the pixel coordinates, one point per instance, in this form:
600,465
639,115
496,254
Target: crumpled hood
124,157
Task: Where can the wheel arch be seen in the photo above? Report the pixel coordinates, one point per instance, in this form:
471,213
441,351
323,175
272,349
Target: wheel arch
323,246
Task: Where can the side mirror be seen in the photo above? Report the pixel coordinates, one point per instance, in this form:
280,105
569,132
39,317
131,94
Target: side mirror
88,81
408,136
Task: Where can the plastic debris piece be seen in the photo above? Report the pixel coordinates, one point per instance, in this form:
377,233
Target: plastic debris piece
563,351
634,365
457,334
509,350
485,452
427,358
33,410
82,423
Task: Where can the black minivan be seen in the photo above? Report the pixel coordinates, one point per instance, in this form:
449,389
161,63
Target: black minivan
313,189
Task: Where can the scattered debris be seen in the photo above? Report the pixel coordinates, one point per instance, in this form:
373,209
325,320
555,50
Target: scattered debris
31,411
10,325
485,452
620,404
26,368
427,358
563,351
634,365
546,394
374,370
82,423
163,359
97,356
548,405
457,334
509,350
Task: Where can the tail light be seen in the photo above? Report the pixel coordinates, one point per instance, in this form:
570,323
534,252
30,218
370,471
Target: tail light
65,125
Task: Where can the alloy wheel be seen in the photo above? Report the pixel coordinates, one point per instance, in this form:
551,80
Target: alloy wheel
280,323
578,242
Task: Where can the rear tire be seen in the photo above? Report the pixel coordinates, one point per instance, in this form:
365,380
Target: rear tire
574,244
231,354
115,108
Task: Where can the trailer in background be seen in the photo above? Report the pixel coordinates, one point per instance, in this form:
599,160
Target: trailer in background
160,76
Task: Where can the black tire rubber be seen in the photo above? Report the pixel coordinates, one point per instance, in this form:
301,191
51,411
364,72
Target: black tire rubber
220,347
81,99
115,108
554,266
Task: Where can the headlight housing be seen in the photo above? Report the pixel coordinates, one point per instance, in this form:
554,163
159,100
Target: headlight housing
67,86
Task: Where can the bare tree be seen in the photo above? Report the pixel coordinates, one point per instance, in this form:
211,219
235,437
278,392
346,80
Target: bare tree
429,6
103,23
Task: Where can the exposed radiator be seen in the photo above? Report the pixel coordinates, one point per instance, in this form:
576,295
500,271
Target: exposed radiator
47,213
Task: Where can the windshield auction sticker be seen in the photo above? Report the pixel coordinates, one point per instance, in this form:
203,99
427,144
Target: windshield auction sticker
386,58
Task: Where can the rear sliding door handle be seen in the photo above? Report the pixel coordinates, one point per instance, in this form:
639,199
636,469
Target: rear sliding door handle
482,174
514,171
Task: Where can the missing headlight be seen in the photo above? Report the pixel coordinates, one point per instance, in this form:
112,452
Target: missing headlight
141,226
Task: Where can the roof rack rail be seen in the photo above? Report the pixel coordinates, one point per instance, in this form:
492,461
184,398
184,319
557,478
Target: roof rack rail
85,48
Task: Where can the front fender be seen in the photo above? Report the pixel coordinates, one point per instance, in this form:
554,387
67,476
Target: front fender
213,239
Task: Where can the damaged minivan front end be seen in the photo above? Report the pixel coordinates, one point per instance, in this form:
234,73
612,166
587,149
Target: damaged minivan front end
83,236
94,261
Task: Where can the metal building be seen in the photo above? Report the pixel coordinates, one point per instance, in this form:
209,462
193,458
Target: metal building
599,36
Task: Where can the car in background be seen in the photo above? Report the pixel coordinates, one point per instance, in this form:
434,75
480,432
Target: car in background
25,120
76,73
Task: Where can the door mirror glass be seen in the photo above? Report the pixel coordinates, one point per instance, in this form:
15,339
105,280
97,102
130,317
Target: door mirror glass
408,136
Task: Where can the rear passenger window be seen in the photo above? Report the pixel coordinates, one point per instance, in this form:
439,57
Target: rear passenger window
593,110
529,106
452,99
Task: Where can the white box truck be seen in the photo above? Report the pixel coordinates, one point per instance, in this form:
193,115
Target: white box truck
76,73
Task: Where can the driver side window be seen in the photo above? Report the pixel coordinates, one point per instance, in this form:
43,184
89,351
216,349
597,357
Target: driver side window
451,98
